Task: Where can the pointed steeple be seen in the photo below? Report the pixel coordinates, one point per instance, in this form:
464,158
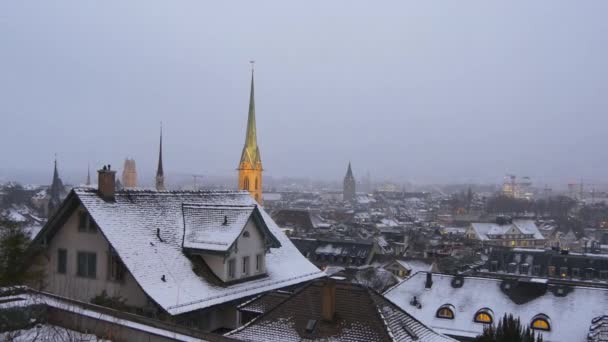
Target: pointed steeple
55,173
251,152
88,175
349,191
250,166
56,191
349,172
160,175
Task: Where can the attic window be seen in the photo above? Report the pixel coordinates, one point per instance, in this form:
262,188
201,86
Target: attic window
246,234
484,316
541,322
446,312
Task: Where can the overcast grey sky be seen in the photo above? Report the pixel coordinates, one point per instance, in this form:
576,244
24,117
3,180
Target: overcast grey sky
426,91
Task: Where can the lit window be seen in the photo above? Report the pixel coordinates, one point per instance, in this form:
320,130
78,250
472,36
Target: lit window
446,312
484,316
540,322
246,183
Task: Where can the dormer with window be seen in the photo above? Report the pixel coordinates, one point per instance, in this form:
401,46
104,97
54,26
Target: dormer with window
541,322
485,316
445,311
231,240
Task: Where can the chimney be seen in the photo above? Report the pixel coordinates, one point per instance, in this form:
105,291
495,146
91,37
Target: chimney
106,182
429,280
328,300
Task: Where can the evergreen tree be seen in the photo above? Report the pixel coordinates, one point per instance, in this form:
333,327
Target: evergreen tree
509,329
14,242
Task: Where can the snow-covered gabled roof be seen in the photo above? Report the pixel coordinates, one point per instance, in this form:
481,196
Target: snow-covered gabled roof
570,312
523,226
215,227
133,223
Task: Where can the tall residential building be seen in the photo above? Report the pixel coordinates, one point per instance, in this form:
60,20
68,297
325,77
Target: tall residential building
129,174
160,176
55,192
250,167
349,189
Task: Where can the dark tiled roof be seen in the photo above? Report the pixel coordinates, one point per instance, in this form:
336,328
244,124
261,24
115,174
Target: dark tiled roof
361,315
265,302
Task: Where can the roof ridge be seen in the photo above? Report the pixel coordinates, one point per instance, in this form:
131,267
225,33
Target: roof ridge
153,191
213,205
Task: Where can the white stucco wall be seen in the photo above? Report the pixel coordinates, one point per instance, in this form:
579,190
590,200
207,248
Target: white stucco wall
250,246
69,284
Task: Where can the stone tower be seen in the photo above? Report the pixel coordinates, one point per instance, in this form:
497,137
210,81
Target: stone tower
55,192
250,167
160,175
129,174
349,189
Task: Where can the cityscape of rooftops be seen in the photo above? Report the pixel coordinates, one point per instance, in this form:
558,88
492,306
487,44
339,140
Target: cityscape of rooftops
312,171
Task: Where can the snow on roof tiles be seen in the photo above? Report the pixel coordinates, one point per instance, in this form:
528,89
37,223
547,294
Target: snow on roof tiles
130,224
570,315
214,227
525,226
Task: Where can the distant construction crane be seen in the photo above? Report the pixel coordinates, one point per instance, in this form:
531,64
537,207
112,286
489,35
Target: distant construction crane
195,178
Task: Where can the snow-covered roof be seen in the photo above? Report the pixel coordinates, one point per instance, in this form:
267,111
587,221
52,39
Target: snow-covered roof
130,224
214,227
524,226
570,314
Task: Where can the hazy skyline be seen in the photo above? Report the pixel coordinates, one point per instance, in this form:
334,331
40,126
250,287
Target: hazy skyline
412,91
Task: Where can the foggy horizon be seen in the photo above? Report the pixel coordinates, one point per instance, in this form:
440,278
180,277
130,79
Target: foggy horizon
411,92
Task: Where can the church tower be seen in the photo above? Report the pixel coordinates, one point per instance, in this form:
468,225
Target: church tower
160,176
56,192
349,190
129,174
250,167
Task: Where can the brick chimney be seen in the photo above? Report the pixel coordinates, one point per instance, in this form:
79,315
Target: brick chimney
106,182
328,300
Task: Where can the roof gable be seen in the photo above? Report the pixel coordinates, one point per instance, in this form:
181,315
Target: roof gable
146,229
216,227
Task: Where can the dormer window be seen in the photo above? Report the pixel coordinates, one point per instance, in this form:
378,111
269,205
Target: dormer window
232,244
446,312
484,316
541,322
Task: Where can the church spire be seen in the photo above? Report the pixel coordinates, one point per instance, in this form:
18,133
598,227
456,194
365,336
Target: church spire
349,172
56,191
251,153
160,175
88,175
349,191
250,167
